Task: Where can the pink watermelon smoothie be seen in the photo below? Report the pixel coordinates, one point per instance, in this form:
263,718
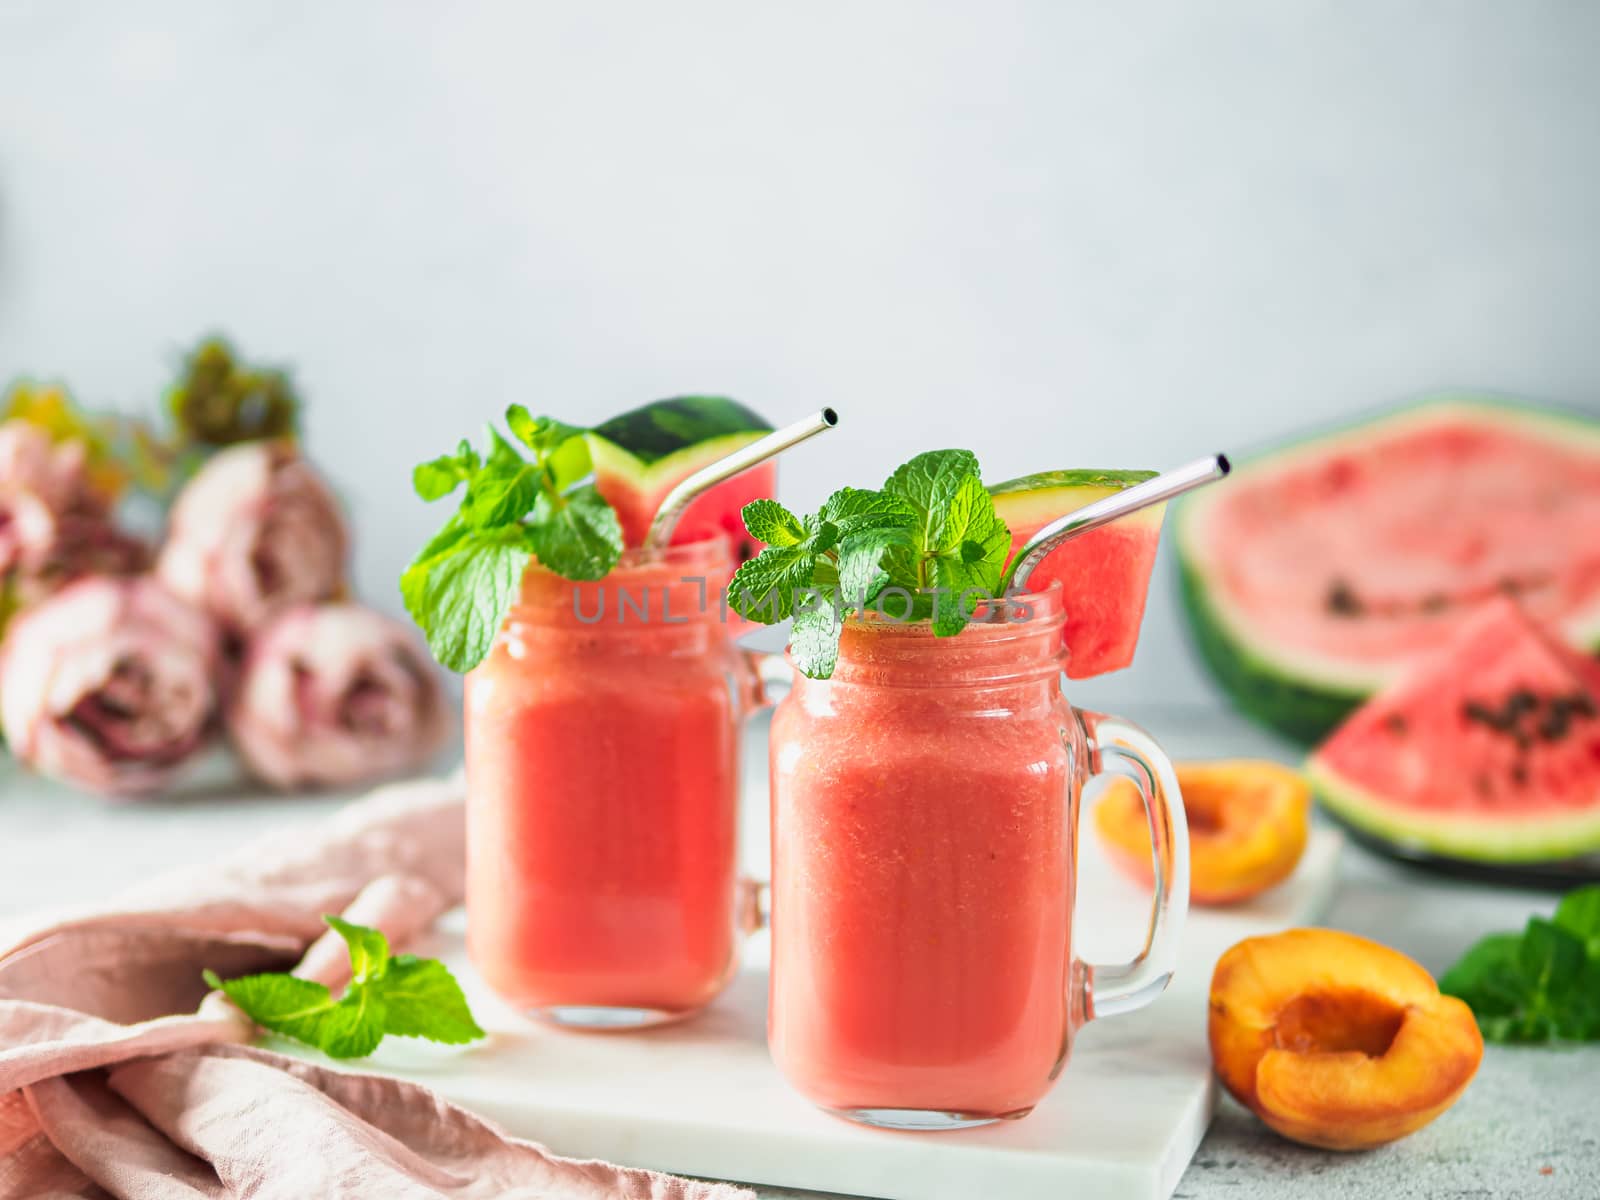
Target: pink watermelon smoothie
923,872
602,770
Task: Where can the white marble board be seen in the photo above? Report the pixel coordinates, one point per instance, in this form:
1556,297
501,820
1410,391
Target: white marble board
703,1098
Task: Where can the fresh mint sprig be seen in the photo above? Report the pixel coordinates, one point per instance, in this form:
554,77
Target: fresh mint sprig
930,536
463,582
399,994
1540,985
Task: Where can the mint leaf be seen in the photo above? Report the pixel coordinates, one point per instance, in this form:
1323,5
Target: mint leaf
772,523
1537,986
438,478
501,495
462,583
862,576
814,636
929,481
932,531
459,595
522,425
369,949
1552,960
350,1027
502,454
422,999
765,588
957,545
540,434
576,535
1579,914
969,553
404,995
856,510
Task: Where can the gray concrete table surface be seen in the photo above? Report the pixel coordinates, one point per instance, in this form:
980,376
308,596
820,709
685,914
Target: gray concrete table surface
1529,1126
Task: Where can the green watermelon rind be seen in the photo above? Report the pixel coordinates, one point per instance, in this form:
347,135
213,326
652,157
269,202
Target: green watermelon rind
663,430
613,460
1050,480
1301,697
1013,495
1259,688
1519,837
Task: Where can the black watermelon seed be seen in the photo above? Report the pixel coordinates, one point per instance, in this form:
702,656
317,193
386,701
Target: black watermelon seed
1521,701
1554,726
1342,600
1519,774
1395,723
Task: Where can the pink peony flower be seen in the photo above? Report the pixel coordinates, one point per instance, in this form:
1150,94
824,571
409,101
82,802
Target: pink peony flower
41,484
255,532
108,684
335,694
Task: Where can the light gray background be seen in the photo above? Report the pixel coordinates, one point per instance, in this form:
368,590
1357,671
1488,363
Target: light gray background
1060,233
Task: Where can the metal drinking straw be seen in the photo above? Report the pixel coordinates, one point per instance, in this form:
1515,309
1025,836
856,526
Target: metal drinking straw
742,459
1114,507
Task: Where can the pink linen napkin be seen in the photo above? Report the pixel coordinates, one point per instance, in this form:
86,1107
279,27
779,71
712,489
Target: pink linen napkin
120,1077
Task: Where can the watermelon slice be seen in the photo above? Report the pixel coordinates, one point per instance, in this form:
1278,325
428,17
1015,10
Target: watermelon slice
642,455
1487,750
1105,575
1316,574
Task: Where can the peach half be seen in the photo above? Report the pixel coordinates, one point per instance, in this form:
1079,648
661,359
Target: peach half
1248,823
1336,1041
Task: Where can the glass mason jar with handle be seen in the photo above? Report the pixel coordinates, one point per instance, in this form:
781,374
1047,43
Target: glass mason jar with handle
602,748
925,804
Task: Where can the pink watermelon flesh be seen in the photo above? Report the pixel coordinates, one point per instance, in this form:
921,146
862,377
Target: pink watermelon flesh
1367,554
1104,575
717,511
1487,749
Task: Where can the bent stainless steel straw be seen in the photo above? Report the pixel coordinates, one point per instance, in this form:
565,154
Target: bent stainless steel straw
1159,490
742,459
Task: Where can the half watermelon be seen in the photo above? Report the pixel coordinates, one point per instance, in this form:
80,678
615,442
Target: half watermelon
642,455
1104,575
1488,750
1317,573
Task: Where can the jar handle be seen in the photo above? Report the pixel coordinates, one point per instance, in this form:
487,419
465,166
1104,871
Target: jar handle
1122,748
770,679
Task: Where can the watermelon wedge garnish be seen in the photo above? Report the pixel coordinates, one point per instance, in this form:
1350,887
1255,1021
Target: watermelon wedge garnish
642,455
1487,750
1104,575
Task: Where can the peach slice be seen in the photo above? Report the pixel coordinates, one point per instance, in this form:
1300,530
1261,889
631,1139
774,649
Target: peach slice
1336,1041
1248,823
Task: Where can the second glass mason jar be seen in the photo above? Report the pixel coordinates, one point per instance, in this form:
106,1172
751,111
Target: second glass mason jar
602,748
924,835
